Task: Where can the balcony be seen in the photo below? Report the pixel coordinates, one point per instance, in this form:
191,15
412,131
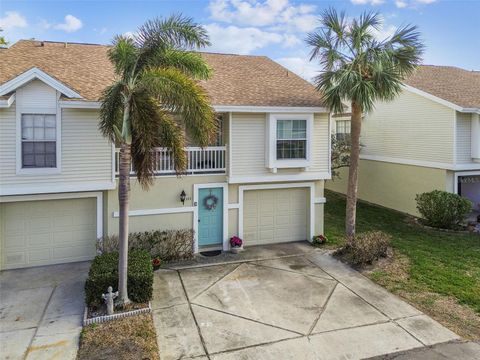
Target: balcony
209,160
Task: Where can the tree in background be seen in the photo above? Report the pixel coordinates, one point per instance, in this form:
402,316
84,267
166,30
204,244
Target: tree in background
156,79
358,68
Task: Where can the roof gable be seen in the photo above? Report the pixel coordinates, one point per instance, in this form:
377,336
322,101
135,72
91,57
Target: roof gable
32,74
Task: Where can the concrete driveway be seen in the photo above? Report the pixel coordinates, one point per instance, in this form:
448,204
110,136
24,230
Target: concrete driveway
297,303
41,311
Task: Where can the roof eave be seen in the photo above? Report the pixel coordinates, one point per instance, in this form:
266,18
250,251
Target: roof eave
440,100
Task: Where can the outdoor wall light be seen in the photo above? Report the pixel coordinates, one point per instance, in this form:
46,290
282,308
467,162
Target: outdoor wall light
183,196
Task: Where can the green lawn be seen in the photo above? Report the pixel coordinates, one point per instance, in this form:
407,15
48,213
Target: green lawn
430,265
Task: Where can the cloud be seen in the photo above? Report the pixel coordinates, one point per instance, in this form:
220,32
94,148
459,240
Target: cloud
401,4
264,13
367,2
12,19
300,66
71,24
240,40
386,31
130,34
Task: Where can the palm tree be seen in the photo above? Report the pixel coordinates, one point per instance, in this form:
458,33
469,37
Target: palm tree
358,68
155,86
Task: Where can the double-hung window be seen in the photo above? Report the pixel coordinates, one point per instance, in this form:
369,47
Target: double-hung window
291,139
342,129
39,141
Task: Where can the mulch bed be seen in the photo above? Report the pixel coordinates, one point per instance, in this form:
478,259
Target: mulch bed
126,339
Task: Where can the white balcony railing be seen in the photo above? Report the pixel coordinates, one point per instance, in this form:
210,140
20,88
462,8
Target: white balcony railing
200,161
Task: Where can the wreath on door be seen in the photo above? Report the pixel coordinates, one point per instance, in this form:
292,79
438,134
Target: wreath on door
210,202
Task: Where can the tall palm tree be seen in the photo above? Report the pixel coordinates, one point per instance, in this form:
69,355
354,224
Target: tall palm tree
358,68
155,86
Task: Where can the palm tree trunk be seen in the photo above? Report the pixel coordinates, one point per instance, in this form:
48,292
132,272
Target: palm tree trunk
351,210
123,197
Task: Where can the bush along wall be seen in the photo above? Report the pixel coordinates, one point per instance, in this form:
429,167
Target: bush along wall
168,245
104,273
442,209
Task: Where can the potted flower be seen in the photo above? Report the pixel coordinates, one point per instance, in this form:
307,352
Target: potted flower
236,244
156,262
319,240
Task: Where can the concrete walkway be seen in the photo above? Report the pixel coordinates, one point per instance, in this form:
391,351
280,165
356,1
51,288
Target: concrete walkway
292,302
41,311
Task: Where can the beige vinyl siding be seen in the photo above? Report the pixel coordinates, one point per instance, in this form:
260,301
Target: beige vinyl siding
36,95
410,127
464,152
392,185
248,144
321,139
85,155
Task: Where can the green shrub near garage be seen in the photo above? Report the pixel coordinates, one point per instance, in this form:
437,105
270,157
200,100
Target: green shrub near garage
442,209
104,273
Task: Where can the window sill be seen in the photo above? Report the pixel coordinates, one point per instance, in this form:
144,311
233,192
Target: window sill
38,171
291,163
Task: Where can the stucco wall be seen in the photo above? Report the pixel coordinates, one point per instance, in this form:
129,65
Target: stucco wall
392,185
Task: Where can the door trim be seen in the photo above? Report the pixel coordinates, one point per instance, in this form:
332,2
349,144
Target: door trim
307,185
196,188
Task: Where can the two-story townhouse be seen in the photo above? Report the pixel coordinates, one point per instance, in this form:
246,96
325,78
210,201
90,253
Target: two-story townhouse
427,138
262,180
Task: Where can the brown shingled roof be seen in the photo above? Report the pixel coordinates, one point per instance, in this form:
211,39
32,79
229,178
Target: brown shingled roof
458,86
237,79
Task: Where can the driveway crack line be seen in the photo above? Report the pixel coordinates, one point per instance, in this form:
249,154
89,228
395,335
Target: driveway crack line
253,320
214,283
202,340
40,321
294,272
322,310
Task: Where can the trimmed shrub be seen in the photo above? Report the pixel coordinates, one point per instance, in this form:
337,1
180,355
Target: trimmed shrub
443,209
104,273
167,245
364,248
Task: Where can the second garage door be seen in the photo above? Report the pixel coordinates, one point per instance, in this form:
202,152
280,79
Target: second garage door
48,232
274,216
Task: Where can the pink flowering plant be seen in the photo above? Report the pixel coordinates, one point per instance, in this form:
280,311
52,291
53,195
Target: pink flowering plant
235,241
319,239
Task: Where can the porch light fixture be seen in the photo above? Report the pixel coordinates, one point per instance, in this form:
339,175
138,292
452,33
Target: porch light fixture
183,196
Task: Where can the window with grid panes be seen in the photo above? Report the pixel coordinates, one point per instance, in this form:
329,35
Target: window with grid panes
291,139
39,141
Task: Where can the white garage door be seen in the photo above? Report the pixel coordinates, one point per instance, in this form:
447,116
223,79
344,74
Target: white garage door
48,232
274,216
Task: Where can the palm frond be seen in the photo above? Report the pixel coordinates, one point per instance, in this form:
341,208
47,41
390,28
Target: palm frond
157,36
188,62
111,110
123,55
181,95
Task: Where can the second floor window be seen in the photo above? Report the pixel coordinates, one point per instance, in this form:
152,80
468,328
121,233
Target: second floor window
291,139
342,129
39,141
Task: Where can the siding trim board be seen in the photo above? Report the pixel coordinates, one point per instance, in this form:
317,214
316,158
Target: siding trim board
446,166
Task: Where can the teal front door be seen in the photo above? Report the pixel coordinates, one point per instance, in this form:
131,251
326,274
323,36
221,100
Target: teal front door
210,216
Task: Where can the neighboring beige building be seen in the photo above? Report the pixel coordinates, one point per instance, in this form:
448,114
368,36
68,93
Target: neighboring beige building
262,180
428,138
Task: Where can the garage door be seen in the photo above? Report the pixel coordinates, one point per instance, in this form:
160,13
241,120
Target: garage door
48,232
274,216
